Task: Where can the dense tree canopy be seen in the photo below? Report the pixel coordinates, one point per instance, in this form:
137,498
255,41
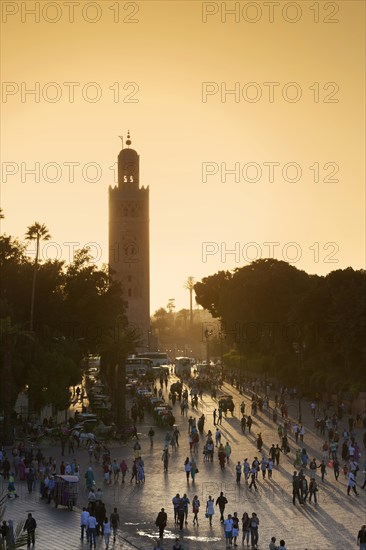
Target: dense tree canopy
76,309
307,329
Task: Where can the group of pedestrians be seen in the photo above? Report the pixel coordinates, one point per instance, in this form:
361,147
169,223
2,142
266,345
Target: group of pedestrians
94,522
232,523
8,536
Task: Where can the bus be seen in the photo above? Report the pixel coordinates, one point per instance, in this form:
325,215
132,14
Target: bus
138,365
156,357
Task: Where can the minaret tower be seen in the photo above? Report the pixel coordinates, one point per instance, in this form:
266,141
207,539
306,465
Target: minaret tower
129,251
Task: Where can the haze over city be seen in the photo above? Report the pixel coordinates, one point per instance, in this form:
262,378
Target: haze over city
229,96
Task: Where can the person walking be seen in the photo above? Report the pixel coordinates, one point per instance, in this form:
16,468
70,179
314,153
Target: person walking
30,526
296,489
106,531
195,509
114,519
181,513
246,469
221,501
92,530
245,522
194,469
100,514
313,489
84,524
253,526
264,466
89,478
228,527
4,531
186,502
253,474
270,468
124,469
227,452
304,488
30,476
187,467
133,472
116,470
235,528
249,423
361,538
336,469
302,433
165,459
238,472
11,486
176,501
10,538
351,483
151,434
210,509
161,521
277,452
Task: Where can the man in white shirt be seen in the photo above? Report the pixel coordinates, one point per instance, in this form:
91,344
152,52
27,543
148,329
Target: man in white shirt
84,523
228,526
92,528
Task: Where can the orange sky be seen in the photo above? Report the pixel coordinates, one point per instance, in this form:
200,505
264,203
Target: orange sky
169,52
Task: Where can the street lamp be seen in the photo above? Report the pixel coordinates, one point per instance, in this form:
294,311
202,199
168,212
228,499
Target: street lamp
208,333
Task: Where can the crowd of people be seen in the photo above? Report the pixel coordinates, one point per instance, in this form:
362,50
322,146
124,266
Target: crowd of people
340,453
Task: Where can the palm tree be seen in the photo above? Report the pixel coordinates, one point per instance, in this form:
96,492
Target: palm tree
171,306
36,232
189,285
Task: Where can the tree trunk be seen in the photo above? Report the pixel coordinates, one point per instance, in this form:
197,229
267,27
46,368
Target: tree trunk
34,286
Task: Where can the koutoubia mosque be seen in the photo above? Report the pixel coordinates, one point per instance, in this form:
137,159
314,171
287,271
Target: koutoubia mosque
129,247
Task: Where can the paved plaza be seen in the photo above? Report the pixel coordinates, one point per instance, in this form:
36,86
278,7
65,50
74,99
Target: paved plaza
332,523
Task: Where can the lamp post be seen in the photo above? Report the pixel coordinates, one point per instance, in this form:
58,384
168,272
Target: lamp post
208,333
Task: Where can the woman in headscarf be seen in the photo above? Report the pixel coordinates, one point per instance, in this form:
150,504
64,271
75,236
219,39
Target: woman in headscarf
89,477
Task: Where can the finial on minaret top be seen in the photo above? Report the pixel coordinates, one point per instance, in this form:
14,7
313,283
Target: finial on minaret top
128,140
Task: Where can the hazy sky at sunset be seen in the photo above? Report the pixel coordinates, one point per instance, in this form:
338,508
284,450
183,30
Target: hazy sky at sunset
169,52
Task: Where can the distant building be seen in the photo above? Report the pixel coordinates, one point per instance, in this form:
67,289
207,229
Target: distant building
129,246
